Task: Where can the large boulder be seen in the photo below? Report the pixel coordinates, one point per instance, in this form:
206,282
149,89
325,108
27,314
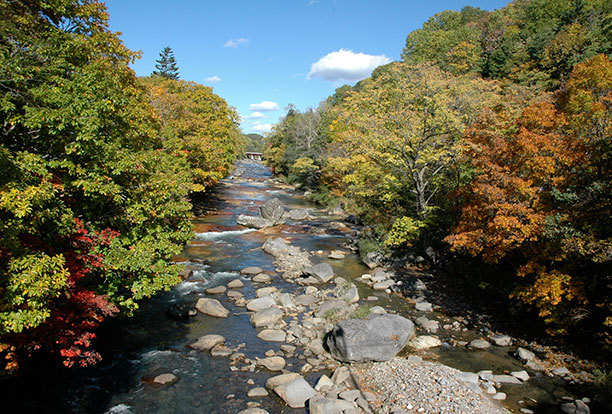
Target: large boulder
322,272
253,222
273,211
275,246
375,338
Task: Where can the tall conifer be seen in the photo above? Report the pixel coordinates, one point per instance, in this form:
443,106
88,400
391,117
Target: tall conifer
166,65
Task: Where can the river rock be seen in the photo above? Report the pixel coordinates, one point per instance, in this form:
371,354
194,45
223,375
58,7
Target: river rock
524,354
256,305
423,306
261,278
522,375
235,284
206,342
266,317
305,300
322,271
299,214
286,301
265,291
212,307
272,335
479,344
253,222
274,363
296,392
277,380
375,338
275,246
330,406
505,379
251,270
350,295
424,342
577,407
383,285
273,211
165,379
561,372
373,259
337,255
218,290
323,382
501,340
257,392
254,410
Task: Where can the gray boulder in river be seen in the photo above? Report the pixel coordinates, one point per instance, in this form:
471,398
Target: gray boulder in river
272,210
252,221
375,338
275,246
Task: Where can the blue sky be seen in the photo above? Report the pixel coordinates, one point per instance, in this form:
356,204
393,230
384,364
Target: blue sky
259,55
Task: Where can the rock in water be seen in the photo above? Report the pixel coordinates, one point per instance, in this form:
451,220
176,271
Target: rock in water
375,338
181,311
275,246
299,214
212,307
206,342
253,222
322,271
373,259
273,211
295,393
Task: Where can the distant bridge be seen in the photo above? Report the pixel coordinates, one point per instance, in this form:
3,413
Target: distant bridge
257,156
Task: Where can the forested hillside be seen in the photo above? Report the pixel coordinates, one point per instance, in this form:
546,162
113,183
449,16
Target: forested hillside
97,168
486,149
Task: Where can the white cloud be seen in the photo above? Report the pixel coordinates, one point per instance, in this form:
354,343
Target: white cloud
262,127
346,65
236,42
264,106
213,79
311,2
254,115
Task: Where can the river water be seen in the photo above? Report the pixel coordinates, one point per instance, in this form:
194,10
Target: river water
137,349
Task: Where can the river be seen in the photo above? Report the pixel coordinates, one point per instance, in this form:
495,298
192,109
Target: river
137,349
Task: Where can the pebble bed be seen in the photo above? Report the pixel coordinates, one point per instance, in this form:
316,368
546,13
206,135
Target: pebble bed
401,385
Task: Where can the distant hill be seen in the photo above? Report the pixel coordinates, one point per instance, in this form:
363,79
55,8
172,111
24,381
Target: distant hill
253,142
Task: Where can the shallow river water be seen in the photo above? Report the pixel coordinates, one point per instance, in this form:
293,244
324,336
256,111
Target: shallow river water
137,349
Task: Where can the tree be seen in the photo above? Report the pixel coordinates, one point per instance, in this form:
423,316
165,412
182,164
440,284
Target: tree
541,198
396,137
196,124
166,65
92,207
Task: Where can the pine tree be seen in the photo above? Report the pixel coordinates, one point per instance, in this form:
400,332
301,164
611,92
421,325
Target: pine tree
166,65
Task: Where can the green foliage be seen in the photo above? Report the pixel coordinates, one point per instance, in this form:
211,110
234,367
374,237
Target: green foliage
361,312
166,65
253,142
198,125
368,245
534,42
404,232
95,179
305,171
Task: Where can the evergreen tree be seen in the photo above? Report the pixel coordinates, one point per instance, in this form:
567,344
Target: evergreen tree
166,65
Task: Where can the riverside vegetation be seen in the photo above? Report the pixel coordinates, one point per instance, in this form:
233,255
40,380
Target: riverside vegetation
486,151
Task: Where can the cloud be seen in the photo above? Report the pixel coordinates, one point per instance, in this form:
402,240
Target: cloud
264,106
262,127
346,65
254,115
236,42
213,79
311,2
